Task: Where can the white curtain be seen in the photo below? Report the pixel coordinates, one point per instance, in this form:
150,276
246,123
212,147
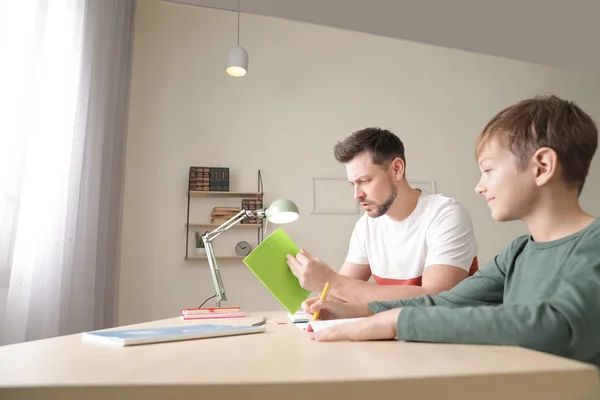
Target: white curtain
64,79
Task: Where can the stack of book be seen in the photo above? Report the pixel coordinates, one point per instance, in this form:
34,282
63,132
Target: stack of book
252,204
219,215
209,179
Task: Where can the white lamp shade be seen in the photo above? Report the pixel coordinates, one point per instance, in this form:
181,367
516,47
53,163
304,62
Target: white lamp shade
282,211
237,62
284,217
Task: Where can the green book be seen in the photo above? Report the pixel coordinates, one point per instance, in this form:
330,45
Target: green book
268,262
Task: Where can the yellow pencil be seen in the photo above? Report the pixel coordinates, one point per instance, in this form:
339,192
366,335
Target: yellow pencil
323,296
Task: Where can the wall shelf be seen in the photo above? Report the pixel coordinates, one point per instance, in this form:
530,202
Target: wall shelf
252,195
209,227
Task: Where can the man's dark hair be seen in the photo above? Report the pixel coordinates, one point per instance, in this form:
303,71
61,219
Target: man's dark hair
382,144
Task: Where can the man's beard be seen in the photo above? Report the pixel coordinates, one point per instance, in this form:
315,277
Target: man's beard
385,207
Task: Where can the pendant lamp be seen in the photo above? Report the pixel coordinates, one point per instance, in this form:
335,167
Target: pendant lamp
237,59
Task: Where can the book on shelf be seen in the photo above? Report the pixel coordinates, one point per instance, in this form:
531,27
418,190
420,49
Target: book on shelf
219,215
215,179
253,205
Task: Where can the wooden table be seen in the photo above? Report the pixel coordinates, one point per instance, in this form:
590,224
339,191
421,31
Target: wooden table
283,363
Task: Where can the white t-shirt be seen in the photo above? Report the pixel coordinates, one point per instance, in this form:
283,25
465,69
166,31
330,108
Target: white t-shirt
438,231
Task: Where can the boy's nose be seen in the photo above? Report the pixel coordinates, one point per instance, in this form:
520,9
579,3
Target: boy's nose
479,189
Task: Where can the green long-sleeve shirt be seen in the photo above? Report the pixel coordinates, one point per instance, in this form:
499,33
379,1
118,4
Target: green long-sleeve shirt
543,296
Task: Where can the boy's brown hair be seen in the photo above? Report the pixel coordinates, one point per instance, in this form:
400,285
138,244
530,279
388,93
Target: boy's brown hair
546,121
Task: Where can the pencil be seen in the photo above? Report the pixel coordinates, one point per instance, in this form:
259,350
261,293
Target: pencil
323,296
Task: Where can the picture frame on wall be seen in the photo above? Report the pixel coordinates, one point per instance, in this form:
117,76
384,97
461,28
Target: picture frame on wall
333,196
427,186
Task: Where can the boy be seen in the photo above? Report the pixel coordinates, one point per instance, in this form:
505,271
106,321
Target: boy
543,291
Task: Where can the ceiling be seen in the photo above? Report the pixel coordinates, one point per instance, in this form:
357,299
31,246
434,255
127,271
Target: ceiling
559,33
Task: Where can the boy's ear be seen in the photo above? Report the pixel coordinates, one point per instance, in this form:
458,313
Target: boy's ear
545,164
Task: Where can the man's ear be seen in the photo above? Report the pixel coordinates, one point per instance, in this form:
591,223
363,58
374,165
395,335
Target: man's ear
398,166
545,165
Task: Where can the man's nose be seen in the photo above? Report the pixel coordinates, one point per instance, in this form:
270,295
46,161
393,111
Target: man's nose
358,194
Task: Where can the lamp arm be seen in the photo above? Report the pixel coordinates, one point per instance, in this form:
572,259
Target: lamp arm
243,214
216,275
212,260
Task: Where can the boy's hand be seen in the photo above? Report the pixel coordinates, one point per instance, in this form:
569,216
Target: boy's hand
312,272
335,309
377,327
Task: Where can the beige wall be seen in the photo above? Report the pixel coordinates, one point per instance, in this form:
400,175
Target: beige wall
308,87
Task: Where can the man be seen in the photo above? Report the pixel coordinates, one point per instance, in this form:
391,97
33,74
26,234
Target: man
543,291
410,242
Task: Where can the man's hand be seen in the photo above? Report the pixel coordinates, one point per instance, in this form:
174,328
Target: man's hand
311,271
378,327
335,309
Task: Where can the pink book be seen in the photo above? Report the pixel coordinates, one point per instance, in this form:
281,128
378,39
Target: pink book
211,312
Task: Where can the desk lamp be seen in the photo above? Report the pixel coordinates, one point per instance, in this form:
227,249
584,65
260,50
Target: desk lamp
281,211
